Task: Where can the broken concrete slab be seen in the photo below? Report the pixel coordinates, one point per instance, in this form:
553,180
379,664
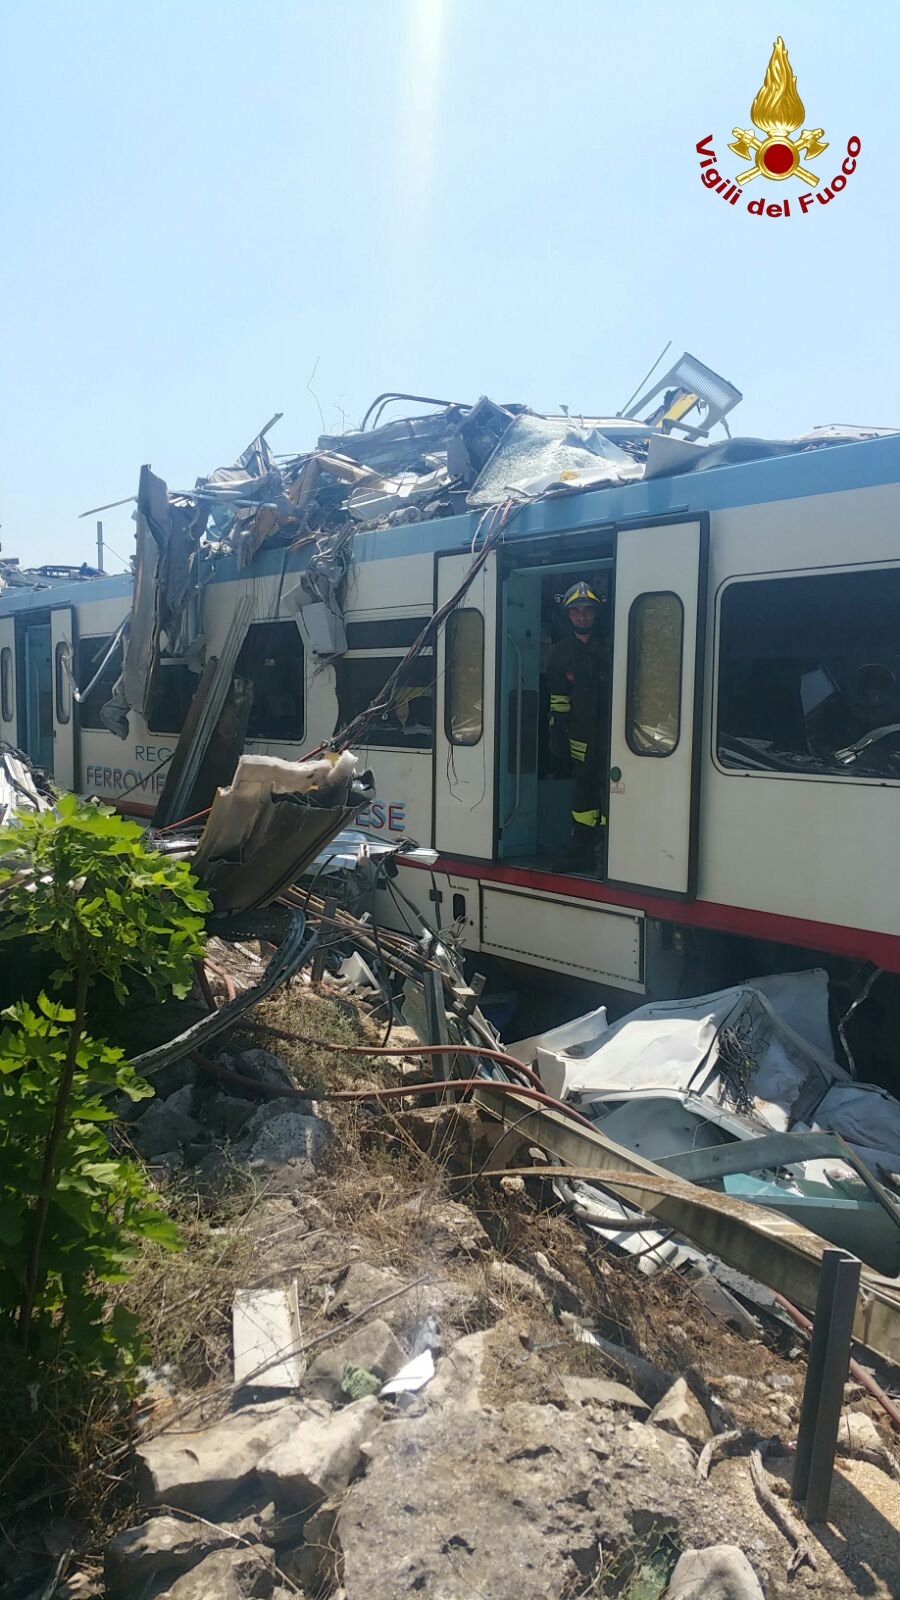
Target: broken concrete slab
372,1346
162,1544
162,1129
679,1411
318,1457
601,1391
198,1469
517,1504
266,1337
721,1572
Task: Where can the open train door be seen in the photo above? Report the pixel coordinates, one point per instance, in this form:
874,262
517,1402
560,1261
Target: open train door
465,710
657,681
8,718
62,667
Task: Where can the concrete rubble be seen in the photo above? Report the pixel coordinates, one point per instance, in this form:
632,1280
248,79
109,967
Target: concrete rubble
542,1459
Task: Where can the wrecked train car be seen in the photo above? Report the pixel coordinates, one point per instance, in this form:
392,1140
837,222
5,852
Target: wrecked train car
751,607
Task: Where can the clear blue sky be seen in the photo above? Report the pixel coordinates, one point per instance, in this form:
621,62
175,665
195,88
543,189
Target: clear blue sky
204,202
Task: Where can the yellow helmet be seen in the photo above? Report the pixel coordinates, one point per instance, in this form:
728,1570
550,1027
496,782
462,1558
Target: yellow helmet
580,594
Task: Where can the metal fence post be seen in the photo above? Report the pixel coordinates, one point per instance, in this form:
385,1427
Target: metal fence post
835,1367
812,1390
826,1374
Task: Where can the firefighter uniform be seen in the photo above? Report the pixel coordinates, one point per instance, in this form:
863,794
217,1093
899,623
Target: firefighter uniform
578,681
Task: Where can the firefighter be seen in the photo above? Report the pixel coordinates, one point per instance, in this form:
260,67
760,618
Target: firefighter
578,681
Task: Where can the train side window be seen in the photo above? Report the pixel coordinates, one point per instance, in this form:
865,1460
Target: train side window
809,674
272,658
89,654
63,686
653,697
408,722
464,696
6,695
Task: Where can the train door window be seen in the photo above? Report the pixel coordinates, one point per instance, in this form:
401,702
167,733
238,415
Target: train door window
272,658
90,653
407,723
61,677
174,687
809,674
6,676
653,698
464,697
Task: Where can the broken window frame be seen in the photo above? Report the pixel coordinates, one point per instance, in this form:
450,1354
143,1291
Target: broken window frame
352,705
85,666
454,730
156,717
638,654
256,734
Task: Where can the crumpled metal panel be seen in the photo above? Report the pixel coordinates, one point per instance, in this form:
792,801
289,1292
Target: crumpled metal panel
540,454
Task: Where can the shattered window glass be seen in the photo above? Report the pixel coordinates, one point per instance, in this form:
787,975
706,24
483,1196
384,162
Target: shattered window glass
464,703
655,631
271,656
408,723
809,674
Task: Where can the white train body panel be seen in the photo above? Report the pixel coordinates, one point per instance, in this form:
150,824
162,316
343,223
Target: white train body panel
807,859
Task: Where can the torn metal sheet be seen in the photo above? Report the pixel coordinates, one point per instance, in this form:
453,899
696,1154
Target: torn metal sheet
20,788
202,721
749,1060
767,1247
268,1343
730,1091
540,455
294,949
265,829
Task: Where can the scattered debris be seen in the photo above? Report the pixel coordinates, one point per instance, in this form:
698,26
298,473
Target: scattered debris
268,1342
411,1378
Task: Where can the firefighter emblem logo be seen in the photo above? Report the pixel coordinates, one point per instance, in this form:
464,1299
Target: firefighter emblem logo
778,111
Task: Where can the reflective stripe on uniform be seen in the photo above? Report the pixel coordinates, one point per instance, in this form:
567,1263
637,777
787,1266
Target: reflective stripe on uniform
588,819
561,702
578,749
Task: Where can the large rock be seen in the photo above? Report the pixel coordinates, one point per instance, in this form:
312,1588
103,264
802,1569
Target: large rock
514,1504
226,1115
227,1575
721,1572
459,1377
601,1391
164,1544
289,1136
318,1458
163,1128
262,1066
197,1470
371,1346
679,1411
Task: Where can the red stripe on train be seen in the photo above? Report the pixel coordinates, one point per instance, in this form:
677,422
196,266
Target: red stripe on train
860,943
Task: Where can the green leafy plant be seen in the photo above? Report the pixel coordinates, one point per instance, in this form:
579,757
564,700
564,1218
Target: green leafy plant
81,882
